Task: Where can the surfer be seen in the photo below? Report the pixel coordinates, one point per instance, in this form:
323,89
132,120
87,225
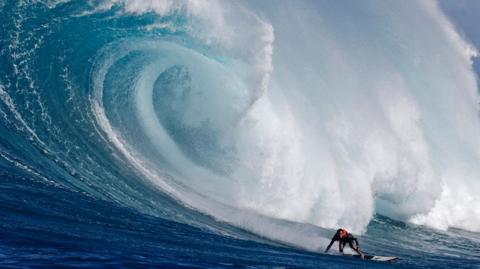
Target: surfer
343,237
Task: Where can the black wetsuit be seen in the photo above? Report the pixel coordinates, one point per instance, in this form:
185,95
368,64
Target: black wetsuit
350,239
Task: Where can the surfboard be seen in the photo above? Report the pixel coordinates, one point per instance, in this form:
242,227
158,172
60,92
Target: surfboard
377,258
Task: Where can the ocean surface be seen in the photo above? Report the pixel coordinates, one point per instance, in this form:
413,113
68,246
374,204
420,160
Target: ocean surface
236,134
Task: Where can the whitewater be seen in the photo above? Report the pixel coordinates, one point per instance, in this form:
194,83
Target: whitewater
236,133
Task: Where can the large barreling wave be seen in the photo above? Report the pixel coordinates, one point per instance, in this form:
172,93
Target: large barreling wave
258,114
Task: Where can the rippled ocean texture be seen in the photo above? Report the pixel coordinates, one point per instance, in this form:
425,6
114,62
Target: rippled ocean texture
216,134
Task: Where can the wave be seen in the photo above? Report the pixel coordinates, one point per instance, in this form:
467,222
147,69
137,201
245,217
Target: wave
253,113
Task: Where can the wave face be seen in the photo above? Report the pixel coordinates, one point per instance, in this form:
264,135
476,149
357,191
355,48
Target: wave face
253,113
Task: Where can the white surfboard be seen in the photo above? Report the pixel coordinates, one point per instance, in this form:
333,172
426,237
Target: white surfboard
377,258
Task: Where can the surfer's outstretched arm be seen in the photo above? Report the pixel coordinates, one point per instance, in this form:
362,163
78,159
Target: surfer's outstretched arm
331,243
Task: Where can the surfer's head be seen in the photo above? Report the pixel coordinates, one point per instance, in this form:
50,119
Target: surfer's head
342,233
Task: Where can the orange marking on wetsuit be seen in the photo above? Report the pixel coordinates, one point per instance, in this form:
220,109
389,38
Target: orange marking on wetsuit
343,233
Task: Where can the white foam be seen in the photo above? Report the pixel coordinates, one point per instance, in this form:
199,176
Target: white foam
8,101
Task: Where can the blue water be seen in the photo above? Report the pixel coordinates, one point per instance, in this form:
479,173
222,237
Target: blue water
140,135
